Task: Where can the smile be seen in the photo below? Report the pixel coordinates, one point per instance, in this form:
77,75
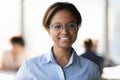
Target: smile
64,38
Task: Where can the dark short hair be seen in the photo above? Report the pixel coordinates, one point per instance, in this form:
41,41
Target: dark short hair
17,40
88,43
61,6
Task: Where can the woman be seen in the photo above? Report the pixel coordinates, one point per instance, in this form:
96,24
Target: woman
61,21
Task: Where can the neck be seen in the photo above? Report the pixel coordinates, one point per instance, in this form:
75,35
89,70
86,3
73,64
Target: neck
58,52
62,56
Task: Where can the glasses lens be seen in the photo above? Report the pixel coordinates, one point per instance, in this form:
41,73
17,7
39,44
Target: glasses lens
72,26
56,26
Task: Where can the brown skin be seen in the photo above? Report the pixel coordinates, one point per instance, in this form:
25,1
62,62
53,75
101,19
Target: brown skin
17,49
62,40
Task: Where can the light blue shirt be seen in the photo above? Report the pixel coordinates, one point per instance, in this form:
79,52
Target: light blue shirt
44,67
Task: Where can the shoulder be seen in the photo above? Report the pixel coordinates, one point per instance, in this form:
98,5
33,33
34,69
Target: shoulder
87,63
38,59
98,57
83,60
6,54
31,63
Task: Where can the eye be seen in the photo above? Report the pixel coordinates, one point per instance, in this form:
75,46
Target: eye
72,25
56,26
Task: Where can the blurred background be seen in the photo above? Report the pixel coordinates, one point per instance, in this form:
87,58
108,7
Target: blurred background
100,21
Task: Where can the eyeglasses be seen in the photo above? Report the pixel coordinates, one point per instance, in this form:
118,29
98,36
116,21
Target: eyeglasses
59,27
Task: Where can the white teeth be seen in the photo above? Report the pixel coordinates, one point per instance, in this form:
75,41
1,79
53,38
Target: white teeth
64,38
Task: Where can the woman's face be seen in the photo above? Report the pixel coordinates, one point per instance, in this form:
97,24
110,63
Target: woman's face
66,36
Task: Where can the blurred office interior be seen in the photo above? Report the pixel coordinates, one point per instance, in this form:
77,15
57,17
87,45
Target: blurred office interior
100,21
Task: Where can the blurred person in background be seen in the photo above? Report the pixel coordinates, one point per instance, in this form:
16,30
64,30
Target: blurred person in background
12,59
91,53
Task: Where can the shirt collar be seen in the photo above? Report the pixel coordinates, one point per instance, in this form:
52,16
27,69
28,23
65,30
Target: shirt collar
50,58
73,59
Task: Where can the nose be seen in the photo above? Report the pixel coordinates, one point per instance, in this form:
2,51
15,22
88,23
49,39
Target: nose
64,28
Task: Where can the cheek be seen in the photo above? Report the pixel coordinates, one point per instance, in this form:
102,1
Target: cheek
74,35
53,35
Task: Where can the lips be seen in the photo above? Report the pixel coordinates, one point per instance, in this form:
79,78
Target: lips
64,38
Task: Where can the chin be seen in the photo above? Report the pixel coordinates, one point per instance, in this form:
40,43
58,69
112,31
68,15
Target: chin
66,46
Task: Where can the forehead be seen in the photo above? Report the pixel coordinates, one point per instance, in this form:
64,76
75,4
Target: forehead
63,16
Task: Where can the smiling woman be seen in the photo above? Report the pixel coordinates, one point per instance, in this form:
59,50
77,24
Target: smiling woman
61,60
